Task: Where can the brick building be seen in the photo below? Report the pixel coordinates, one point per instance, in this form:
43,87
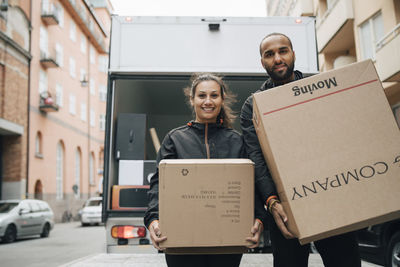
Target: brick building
15,57
53,80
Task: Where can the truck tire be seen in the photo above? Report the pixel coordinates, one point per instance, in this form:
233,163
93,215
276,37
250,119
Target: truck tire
393,251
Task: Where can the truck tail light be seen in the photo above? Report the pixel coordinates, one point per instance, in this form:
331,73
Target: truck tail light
128,231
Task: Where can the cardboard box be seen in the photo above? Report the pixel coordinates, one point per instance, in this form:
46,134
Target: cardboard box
333,148
206,205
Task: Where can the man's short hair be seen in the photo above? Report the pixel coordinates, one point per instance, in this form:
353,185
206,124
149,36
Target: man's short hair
273,34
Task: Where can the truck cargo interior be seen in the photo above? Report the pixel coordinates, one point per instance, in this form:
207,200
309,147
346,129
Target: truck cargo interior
163,101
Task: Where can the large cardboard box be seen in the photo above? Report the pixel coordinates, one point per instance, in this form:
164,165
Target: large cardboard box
333,147
206,205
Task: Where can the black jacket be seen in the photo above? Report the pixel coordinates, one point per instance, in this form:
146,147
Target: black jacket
263,181
189,142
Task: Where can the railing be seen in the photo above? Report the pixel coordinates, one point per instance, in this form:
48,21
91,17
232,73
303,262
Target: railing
388,37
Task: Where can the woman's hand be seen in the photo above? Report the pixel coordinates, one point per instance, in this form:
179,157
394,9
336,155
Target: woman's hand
155,234
256,231
281,219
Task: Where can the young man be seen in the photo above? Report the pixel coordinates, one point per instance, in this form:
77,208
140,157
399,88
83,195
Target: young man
278,58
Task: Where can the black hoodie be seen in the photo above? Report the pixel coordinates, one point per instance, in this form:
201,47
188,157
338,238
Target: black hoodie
197,141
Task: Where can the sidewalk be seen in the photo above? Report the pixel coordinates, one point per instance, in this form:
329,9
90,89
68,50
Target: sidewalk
158,260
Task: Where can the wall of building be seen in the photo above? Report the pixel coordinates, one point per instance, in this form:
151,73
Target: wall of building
14,86
73,130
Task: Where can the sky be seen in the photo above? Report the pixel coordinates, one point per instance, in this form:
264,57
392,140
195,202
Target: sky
211,8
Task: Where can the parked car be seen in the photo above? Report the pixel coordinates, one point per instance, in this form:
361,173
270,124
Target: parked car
91,211
380,244
24,218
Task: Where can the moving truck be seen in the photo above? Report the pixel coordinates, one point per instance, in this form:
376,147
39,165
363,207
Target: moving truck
151,60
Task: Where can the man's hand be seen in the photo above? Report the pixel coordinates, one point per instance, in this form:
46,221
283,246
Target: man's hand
281,219
255,231
155,235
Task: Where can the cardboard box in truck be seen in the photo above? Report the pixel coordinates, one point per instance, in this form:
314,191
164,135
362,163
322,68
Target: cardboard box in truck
332,145
206,204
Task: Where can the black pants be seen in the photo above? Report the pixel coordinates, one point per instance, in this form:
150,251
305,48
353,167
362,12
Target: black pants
341,250
218,260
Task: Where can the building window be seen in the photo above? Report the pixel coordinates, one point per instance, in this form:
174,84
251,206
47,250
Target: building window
92,55
44,42
83,74
102,122
72,102
91,169
83,43
103,93
59,171
371,31
103,64
38,145
60,15
59,95
72,31
77,173
83,111
59,55
92,87
72,67
42,82
92,118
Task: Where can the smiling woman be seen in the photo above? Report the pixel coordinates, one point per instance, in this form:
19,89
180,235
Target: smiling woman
209,136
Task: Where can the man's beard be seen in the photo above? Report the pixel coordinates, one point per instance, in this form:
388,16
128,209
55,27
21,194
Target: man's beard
281,77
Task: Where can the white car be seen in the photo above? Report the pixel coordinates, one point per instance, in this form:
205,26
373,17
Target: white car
91,211
24,218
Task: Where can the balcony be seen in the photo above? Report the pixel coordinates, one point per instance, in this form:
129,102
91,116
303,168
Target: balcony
388,56
335,29
47,103
95,33
303,8
47,60
49,15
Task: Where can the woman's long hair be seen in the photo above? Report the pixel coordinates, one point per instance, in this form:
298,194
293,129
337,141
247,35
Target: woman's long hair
226,115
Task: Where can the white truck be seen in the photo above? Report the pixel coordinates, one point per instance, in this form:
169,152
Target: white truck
151,61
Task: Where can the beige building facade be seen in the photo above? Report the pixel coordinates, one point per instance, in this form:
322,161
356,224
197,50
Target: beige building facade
67,102
354,30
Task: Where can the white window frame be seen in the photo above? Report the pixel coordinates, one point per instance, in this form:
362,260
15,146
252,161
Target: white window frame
102,122
92,118
59,54
78,167
72,67
92,86
72,30
83,111
92,55
44,41
72,104
60,14
59,95
103,93
43,82
59,171
83,43
91,169
368,47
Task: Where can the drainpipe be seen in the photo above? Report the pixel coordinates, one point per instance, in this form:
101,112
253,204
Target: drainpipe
29,102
